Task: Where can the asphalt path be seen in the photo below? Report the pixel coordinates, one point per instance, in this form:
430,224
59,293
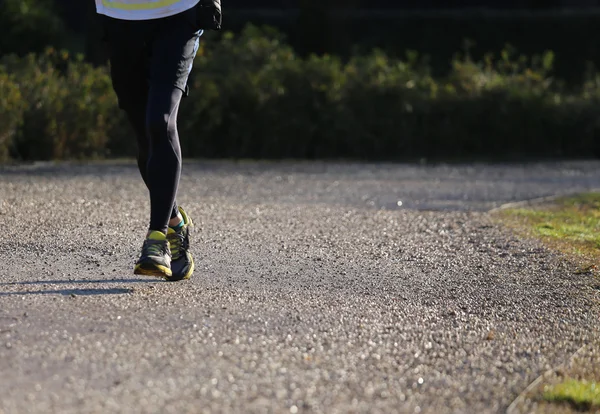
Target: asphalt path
320,288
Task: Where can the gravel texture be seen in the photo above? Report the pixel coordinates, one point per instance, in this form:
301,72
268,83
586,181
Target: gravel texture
320,287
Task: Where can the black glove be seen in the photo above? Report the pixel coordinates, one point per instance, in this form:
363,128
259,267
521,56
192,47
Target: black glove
208,14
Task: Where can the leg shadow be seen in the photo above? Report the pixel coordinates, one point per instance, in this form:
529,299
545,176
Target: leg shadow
76,282
72,292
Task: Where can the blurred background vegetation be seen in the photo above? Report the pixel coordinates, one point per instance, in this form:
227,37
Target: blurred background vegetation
322,79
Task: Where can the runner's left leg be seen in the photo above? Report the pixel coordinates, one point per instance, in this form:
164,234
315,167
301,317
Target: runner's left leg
172,54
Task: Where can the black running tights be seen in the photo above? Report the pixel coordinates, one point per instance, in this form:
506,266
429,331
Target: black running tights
159,152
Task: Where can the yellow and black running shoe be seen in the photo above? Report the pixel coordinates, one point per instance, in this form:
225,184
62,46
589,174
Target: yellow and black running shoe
155,259
182,263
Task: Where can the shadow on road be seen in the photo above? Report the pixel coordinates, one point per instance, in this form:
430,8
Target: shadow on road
82,281
71,292
68,292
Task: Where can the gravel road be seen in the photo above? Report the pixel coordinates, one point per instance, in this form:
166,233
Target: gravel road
320,288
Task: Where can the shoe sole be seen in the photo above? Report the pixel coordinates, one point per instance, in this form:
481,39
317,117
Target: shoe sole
152,270
176,278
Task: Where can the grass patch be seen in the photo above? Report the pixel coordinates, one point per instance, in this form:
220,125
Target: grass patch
582,395
570,225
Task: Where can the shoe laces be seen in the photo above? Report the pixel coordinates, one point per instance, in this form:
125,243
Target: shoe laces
177,243
155,247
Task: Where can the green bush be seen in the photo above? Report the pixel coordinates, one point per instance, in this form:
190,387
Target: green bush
11,113
253,97
571,34
70,110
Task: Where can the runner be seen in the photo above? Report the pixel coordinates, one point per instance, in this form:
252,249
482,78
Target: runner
152,45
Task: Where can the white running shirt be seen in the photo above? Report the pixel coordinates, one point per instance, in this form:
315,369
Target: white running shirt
143,9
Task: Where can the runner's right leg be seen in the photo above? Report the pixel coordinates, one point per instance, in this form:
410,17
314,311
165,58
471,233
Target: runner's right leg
129,71
129,57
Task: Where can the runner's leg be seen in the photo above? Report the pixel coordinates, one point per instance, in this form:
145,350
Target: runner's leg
174,47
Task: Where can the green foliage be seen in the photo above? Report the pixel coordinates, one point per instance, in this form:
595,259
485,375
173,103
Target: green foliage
252,96
571,34
29,26
67,107
571,224
582,395
12,105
